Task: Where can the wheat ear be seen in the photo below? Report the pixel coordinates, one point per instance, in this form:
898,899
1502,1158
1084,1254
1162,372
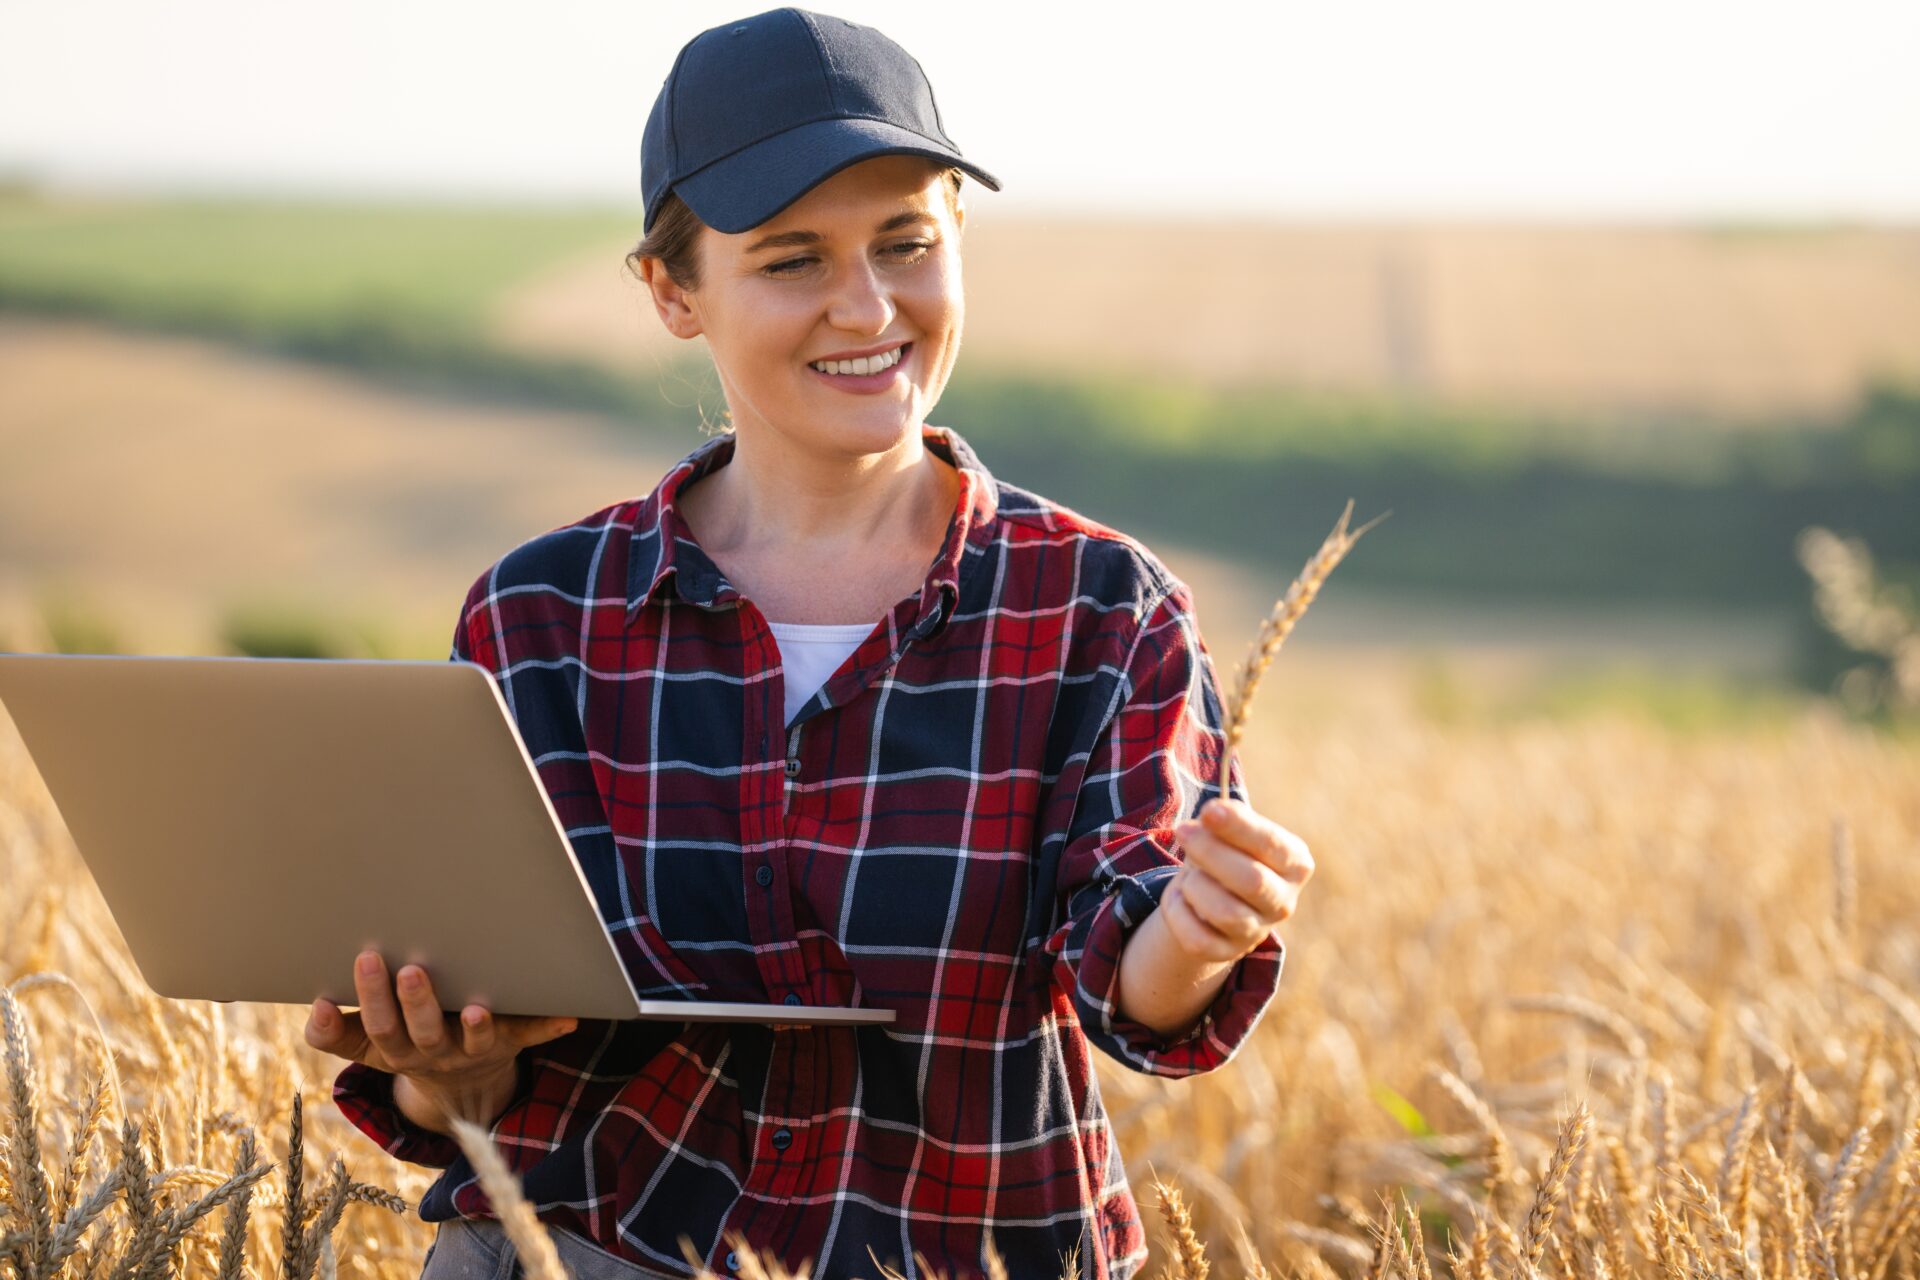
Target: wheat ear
1417,1247
233,1241
1573,1136
93,1120
1499,1150
31,1190
1287,611
296,1207
1192,1256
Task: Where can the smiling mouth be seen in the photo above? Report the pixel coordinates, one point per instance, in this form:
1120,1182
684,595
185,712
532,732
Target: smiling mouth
865,366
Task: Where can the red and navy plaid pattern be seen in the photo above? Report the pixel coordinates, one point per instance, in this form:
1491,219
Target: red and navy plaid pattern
963,825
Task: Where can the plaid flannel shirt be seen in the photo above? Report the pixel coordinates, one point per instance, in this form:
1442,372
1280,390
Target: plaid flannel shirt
963,825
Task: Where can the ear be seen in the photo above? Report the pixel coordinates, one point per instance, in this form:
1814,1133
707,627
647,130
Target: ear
671,301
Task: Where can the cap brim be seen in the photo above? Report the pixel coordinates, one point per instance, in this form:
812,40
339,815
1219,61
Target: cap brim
739,192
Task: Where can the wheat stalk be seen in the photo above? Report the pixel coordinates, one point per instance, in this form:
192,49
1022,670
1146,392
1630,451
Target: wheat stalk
1499,1150
1286,612
1609,1227
1191,1256
27,1175
1396,1243
233,1240
1726,1237
1834,1215
1573,1136
296,1199
1417,1247
530,1238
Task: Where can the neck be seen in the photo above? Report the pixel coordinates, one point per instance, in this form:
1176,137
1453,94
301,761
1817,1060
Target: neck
772,494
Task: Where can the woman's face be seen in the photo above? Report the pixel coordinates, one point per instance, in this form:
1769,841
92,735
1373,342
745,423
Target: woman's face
864,267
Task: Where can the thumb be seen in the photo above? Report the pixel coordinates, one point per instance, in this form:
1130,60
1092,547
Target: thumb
343,1036
540,1030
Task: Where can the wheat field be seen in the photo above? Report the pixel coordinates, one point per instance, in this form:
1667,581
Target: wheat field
1579,999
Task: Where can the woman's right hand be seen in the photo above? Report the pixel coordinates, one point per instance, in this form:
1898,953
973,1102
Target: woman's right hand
401,1029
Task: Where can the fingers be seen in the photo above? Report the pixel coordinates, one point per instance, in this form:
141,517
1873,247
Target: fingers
1253,882
420,1008
340,1034
1242,875
1194,934
485,1034
323,1025
531,1031
1236,823
380,1016
326,1026
414,1027
480,1033
1221,910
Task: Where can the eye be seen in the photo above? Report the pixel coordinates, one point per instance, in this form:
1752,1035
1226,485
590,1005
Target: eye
905,251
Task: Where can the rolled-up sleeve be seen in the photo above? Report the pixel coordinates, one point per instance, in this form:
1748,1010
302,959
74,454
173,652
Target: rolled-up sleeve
365,1097
1156,759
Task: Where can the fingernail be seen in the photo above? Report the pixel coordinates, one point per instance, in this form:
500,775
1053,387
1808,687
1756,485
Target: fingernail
369,965
473,1017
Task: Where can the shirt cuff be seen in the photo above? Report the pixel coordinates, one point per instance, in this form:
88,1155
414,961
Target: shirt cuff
1220,1030
365,1096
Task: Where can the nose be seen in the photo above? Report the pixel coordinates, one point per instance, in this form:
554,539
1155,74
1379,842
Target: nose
861,302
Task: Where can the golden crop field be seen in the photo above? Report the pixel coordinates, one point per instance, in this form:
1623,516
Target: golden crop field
1656,992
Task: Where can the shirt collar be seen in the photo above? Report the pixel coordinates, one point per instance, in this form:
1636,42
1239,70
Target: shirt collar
662,543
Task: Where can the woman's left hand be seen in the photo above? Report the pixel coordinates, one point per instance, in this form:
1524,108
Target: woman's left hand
1242,876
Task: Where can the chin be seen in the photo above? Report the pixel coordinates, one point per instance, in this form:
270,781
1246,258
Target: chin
875,433
871,428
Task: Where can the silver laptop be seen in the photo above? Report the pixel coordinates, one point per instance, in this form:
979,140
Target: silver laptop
254,823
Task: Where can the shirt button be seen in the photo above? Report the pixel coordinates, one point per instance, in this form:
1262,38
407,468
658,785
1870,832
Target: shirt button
782,1139
763,876
793,768
733,1260
792,998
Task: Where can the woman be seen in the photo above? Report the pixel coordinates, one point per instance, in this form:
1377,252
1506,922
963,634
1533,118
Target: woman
834,716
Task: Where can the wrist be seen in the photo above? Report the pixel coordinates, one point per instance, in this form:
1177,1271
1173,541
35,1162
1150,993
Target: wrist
433,1104
1161,984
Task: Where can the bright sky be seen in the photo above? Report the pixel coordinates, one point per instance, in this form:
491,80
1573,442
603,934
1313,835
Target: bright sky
1344,108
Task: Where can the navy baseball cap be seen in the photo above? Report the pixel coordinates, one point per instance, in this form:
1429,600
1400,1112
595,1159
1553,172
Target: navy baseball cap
755,113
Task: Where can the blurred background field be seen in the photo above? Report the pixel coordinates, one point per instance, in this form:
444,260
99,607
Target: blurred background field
1597,443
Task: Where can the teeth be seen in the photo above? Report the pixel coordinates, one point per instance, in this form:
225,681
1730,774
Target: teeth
864,365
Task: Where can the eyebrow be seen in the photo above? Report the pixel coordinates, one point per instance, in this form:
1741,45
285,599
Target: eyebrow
789,239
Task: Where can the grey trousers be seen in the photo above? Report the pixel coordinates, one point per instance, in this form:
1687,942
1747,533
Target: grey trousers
478,1249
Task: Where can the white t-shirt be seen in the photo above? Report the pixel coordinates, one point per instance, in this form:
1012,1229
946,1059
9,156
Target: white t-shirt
810,652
